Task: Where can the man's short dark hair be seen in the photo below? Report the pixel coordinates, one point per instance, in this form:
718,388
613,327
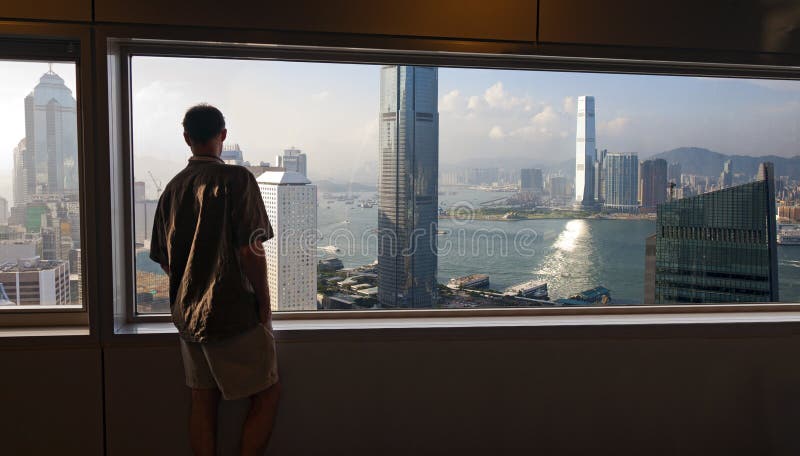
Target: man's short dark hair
203,122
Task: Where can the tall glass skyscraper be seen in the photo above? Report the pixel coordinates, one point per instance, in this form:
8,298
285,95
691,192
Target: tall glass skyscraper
621,182
50,161
585,152
408,187
719,246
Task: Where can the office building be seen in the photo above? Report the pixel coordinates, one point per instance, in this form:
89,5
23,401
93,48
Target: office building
621,182
407,187
530,180
232,155
3,211
291,203
50,159
726,177
558,186
293,160
19,177
652,183
144,211
33,281
585,152
674,172
718,247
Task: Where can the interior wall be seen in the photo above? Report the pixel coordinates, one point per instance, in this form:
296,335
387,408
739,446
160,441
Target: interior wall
51,401
521,395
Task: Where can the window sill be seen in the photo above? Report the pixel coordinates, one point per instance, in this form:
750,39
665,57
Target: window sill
657,325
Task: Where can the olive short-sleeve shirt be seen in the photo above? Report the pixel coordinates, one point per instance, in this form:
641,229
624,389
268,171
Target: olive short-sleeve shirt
205,215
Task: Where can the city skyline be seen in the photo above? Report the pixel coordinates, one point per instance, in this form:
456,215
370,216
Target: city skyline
525,118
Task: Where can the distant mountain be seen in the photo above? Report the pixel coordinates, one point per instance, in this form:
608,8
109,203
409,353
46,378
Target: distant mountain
335,187
704,162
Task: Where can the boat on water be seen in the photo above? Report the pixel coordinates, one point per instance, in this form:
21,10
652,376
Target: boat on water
531,289
469,281
329,249
789,237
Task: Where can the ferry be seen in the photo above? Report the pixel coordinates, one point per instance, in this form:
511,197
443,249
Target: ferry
530,289
789,236
330,249
469,281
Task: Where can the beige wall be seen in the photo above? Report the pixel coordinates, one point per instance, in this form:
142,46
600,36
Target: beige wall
466,394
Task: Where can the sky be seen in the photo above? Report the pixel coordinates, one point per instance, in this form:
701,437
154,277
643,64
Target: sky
507,118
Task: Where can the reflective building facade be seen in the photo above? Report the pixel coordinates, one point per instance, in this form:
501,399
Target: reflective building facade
585,152
621,182
718,247
408,187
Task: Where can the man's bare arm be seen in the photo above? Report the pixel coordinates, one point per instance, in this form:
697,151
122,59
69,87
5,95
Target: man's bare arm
254,264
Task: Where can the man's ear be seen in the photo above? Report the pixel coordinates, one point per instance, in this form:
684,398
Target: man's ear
187,139
223,134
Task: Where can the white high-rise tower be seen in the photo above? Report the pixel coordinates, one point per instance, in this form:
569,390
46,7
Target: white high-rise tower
585,152
291,203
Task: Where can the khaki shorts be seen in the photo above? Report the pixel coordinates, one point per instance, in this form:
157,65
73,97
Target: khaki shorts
240,366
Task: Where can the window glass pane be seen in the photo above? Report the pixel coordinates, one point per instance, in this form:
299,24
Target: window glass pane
40,236
463,188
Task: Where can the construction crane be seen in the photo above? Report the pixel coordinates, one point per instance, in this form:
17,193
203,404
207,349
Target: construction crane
156,182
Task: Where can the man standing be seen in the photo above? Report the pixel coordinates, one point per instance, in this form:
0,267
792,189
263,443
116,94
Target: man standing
208,236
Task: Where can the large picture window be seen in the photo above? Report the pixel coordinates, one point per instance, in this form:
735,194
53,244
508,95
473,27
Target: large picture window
406,187
40,234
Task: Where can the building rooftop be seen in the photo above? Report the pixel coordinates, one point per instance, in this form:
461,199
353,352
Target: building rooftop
283,178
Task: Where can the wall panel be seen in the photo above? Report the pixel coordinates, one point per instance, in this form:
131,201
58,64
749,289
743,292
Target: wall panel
51,401
621,396
53,10
471,19
769,26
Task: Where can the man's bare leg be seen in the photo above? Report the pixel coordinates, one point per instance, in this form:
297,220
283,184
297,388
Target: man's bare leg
203,421
257,427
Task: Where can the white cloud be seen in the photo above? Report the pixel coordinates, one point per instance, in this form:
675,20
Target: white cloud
495,95
474,102
614,126
546,115
450,101
496,132
569,105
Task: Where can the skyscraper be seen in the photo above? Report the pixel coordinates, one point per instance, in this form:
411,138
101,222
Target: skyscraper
3,211
585,152
408,187
20,176
726,177
291,203
232,155
293,160
652,182
530,180
674,173
621,179
718,246
50,160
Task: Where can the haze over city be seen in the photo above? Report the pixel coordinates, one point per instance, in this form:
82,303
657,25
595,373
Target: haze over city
519,118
